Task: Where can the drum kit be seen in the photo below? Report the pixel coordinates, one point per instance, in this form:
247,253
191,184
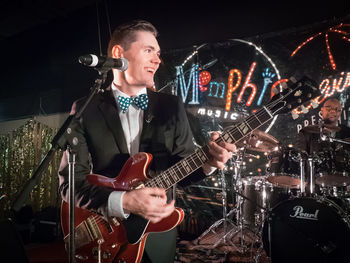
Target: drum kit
299,210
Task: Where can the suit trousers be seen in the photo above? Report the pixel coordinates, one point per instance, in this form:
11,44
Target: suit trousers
160,247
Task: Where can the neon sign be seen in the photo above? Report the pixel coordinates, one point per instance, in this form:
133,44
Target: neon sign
184,88
247,84
327,90
232,88
218,85
218,113
267,80
202,81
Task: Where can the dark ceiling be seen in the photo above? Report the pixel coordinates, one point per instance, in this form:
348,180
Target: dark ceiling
41,40
181,23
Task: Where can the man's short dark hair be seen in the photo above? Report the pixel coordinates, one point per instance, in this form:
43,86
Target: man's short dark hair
125,34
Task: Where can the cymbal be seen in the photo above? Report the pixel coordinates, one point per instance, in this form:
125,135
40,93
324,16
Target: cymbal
259,141
326,128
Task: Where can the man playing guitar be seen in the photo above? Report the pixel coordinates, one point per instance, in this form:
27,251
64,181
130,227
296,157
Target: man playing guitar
128,118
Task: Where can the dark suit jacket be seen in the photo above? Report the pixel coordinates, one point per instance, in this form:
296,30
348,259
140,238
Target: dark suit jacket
166,135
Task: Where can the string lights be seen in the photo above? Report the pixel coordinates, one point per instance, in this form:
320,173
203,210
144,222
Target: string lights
272,64
189,57
250,85
327,90
184,88
267,75
334,66
204,79
337,30
232,88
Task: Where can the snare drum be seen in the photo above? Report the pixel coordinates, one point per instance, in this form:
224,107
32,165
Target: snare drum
307,230
284,168
260,196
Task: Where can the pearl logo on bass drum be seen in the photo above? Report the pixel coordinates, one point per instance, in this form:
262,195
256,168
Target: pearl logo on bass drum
299,213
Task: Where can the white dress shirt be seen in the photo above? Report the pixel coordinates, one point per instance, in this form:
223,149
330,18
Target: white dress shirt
132,121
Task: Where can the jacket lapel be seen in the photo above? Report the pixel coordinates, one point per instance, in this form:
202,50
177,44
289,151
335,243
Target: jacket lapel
149,118
109,110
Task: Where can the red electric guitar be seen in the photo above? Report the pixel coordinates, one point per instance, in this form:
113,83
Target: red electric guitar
124,240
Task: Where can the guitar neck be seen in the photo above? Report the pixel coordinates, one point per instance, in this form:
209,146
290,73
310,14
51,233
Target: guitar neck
191,163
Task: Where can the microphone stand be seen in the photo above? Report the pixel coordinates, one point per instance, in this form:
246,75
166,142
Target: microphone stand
172,82
64,139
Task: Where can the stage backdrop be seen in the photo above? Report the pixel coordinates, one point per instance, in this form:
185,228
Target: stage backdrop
220,84
223,83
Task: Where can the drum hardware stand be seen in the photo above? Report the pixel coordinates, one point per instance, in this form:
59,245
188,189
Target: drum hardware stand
227,223
302,174
241,229
311,164
230,228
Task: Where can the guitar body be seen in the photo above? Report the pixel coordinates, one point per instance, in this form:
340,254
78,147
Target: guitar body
122,241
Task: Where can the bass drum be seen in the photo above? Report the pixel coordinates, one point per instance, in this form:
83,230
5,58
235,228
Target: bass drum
307,230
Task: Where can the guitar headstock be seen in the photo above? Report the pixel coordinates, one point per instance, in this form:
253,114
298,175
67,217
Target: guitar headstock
294,96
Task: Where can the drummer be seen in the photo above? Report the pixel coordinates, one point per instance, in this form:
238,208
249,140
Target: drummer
331,159
309,137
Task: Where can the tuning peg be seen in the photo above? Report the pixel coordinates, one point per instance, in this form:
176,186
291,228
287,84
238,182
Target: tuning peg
304,109
275,91
295,115
314,104
293,79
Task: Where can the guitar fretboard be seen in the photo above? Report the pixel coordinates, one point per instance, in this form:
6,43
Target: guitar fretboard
191,163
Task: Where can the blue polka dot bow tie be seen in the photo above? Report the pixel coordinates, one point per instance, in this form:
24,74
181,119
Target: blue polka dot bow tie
140,101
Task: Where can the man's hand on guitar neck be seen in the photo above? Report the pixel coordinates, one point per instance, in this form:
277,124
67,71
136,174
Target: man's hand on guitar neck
220,153
150,203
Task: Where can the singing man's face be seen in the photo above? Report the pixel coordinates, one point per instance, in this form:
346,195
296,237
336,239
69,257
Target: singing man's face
144,59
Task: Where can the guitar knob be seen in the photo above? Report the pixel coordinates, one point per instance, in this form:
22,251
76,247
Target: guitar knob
81,257
106,255
304,109
314,104
295,115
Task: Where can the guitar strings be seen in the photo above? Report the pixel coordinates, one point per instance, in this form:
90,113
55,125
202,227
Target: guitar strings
160,178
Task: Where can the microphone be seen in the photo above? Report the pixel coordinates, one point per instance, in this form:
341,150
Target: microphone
104,62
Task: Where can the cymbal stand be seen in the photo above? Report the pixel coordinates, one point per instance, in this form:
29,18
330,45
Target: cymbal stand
246,236
311,164
302,173
236,178
225,230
